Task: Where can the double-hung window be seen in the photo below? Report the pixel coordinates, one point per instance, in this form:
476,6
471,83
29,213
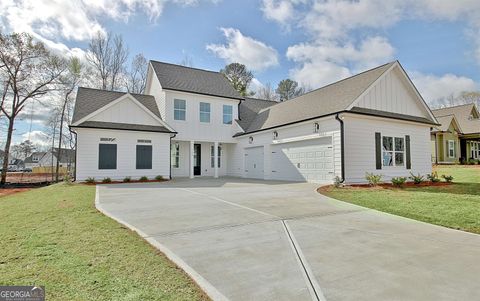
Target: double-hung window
179,109
204,112
227,114
175,155
451,148
393,151
212,156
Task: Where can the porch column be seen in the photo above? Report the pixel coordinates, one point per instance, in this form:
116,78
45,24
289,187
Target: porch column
215,159
191,158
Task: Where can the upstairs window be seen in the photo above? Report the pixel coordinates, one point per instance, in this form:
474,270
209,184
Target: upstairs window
107,156
227,114
393,151
179,109
204,112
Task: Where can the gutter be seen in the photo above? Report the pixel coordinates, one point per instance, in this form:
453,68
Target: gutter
76,153
342,147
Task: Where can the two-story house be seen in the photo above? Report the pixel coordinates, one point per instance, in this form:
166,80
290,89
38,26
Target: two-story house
191,122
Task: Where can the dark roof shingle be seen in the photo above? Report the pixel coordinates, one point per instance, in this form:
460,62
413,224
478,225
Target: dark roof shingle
462,115
124,126
249,109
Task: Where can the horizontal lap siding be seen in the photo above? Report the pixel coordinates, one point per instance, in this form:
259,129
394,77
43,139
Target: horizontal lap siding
87,154
360,147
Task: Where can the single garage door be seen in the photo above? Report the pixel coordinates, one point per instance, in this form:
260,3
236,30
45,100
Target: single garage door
254,162
309,160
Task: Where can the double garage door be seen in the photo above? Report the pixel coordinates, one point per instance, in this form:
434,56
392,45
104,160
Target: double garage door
309,160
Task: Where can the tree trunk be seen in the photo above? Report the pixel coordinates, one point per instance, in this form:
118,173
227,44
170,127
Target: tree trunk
60,138
11,120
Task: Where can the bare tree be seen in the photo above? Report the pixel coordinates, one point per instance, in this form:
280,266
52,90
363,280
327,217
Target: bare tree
23,149
99,55
266,92
187,61
29,71
137,75
119,58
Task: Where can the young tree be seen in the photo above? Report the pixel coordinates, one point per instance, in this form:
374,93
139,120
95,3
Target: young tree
23,149
288,89
137,75
239,76
27,70
266,92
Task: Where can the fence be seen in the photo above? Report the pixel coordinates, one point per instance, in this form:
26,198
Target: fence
49,170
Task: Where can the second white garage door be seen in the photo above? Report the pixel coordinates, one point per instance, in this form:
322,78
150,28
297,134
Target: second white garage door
310,160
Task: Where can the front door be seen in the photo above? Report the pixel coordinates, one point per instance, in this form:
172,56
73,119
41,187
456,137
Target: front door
197,159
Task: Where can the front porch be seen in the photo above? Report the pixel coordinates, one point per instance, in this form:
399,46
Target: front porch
470,147
199,158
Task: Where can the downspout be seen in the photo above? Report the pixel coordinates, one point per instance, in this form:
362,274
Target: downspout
342,147
436,149
76,152
171,137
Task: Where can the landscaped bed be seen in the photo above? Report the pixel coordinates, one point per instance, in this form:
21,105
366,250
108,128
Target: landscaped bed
54,236
456,205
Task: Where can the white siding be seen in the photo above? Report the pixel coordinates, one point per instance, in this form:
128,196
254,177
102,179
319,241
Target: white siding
87,154
154,88
393,94
125,111
360,147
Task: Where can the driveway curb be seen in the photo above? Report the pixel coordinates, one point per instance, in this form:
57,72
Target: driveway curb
206,286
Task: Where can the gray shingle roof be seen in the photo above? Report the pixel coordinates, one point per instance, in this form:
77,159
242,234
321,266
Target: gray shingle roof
327,100
39,155
462,115
90,100
378,113
123,126
249,109
186,79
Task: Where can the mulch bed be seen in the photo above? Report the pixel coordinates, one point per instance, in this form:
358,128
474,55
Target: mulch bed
407,184
122,182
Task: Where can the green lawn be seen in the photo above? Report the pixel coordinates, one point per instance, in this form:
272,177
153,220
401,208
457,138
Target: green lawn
456,206
54,236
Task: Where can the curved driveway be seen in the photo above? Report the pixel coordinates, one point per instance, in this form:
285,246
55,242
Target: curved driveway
262,240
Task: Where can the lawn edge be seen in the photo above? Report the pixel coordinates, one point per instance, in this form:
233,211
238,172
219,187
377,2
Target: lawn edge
391,214
201,282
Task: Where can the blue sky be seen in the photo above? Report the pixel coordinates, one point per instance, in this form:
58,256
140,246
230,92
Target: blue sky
312,41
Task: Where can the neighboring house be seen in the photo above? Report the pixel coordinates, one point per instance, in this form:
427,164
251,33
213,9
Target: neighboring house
34,160
15,164
458,137
191,122
67,158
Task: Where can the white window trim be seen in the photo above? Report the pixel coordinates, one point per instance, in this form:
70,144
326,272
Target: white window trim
204,112
393,151
223,115
175,109
451,146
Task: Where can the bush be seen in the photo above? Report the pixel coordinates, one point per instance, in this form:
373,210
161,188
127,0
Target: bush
144,178
107,180
399,181
159,178
448,178
337,181
417,179
472,161
373,179
433,177
67,179
90,180
127,179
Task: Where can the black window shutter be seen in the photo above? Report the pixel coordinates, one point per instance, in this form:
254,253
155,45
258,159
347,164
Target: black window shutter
407,152
107,156
144,157
378,150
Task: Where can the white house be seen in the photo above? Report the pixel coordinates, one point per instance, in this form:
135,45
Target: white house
191,122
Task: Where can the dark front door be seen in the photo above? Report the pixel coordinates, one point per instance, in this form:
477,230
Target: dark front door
197,159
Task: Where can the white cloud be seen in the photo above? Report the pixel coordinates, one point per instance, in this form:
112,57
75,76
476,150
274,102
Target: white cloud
434,88
255,85
37,137
279,11
255,54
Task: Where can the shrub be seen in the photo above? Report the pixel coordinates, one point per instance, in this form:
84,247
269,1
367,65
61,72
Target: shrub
159,178
433,177
337,181
447,178
417,179
127,179
90,180
144,178
107,180
472,161
373,179
67,179
399,181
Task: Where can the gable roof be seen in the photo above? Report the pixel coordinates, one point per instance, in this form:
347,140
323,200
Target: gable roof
333,98
187,79
462,115
90,100
39,155
445,122
249,109
66,155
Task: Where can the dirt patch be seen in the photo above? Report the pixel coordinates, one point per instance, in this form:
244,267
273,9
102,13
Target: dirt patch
30,177
8,191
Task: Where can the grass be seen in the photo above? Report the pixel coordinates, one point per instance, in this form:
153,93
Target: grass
455,206
54,236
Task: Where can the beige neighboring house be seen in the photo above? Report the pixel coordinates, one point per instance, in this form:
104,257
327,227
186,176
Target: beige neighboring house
457,139
34,160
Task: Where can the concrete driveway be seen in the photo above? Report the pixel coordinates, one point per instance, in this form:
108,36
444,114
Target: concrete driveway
261,240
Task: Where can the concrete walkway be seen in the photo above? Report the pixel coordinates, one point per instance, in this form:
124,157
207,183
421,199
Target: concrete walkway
260,240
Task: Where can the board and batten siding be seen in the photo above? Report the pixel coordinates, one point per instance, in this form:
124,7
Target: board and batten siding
88,141
392,94
360,147
125,110
328,125
154,88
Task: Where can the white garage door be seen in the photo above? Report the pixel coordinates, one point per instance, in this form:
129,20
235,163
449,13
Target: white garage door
310,160
254,162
